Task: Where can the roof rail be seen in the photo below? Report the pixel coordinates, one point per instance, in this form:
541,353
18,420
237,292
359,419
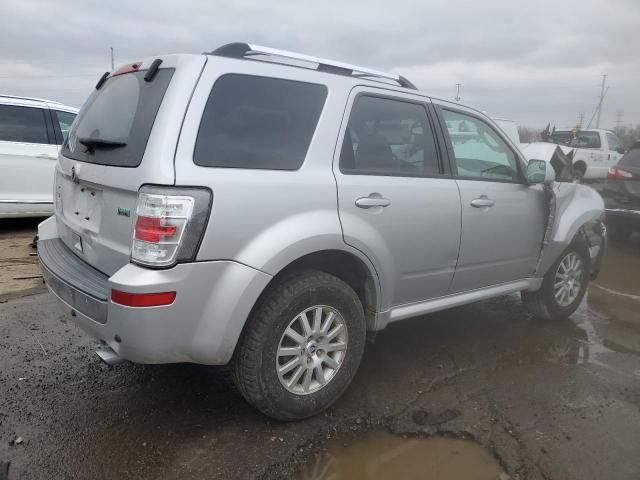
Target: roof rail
18,97
243,50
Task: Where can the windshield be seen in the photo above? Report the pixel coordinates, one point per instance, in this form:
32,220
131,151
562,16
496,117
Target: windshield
122,112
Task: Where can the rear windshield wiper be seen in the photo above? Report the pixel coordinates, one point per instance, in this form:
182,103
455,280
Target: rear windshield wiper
93,143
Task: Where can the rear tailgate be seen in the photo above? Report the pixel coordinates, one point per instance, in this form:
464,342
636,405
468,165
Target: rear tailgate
124,137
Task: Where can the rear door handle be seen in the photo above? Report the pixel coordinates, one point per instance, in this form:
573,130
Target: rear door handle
482,201
373,200
47,157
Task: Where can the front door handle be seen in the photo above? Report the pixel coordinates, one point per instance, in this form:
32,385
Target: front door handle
373,200
482,201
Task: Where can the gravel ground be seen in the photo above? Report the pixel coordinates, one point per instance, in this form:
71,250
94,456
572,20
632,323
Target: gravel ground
545,400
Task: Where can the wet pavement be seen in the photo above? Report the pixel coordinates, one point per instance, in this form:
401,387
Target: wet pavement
481,391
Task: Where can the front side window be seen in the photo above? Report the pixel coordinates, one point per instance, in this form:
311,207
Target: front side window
22,124
258,122
478,149
614,143
65,120
388,137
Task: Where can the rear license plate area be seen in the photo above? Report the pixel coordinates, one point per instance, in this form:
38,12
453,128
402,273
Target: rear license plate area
82,206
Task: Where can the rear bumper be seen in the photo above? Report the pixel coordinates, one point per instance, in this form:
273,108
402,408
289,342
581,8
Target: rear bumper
202,325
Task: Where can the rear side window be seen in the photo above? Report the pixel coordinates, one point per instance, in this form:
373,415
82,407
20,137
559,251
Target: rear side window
388,137
614,143
117,120
22,124
578,139
258,122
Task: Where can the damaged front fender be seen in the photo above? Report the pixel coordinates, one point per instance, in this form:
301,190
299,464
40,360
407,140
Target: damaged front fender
574,209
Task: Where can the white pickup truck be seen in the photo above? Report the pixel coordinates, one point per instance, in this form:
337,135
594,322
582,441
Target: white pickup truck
596,150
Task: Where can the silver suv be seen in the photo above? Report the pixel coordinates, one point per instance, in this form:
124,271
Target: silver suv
266,209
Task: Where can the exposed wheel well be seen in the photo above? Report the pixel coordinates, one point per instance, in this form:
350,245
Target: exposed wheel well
346,267
580,167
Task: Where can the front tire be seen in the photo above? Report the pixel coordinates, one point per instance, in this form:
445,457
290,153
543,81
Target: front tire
564,285
301,346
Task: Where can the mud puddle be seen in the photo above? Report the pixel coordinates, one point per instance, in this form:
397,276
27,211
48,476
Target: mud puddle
381,456
615,296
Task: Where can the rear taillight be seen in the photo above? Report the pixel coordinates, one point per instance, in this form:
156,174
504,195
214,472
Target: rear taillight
142,299
169,225
619,174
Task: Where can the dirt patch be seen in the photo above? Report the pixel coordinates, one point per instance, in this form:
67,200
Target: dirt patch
19,270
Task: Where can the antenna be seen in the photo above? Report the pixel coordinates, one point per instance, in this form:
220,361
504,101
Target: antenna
112,67
458,88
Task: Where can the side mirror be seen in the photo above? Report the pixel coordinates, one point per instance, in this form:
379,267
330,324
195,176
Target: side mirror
539,171
620,150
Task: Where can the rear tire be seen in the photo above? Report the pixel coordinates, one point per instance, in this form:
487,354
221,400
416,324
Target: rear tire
579,170
564,285
265,351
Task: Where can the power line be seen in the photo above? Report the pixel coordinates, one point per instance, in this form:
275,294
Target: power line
603,92
598,110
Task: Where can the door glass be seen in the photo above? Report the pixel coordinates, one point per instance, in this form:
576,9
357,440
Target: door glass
388,137
478,149
258,122
614,143
22,124
65,119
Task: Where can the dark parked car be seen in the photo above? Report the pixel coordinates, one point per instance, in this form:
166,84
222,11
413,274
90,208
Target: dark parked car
621,195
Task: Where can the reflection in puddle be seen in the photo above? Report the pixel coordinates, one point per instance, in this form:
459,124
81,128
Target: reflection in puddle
608,321
381,456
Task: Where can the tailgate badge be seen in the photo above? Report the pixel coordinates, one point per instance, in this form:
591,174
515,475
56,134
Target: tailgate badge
125,212
75,173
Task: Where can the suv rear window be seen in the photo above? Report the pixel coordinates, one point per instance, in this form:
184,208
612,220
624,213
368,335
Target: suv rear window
122,111
258,122
632,157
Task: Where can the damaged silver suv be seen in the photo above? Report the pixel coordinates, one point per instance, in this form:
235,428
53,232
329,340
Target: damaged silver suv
265,209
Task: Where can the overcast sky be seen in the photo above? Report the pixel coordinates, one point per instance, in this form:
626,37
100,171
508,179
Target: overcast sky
534,61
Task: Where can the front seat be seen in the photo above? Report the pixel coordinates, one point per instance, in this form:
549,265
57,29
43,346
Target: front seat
374,152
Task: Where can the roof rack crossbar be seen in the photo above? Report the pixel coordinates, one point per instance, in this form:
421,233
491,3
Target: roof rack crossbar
241,50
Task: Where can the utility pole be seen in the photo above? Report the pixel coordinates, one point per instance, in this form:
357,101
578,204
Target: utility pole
580,120
619,119
458,87
602,94
112,67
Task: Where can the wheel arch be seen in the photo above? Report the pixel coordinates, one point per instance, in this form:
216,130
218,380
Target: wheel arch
353,269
